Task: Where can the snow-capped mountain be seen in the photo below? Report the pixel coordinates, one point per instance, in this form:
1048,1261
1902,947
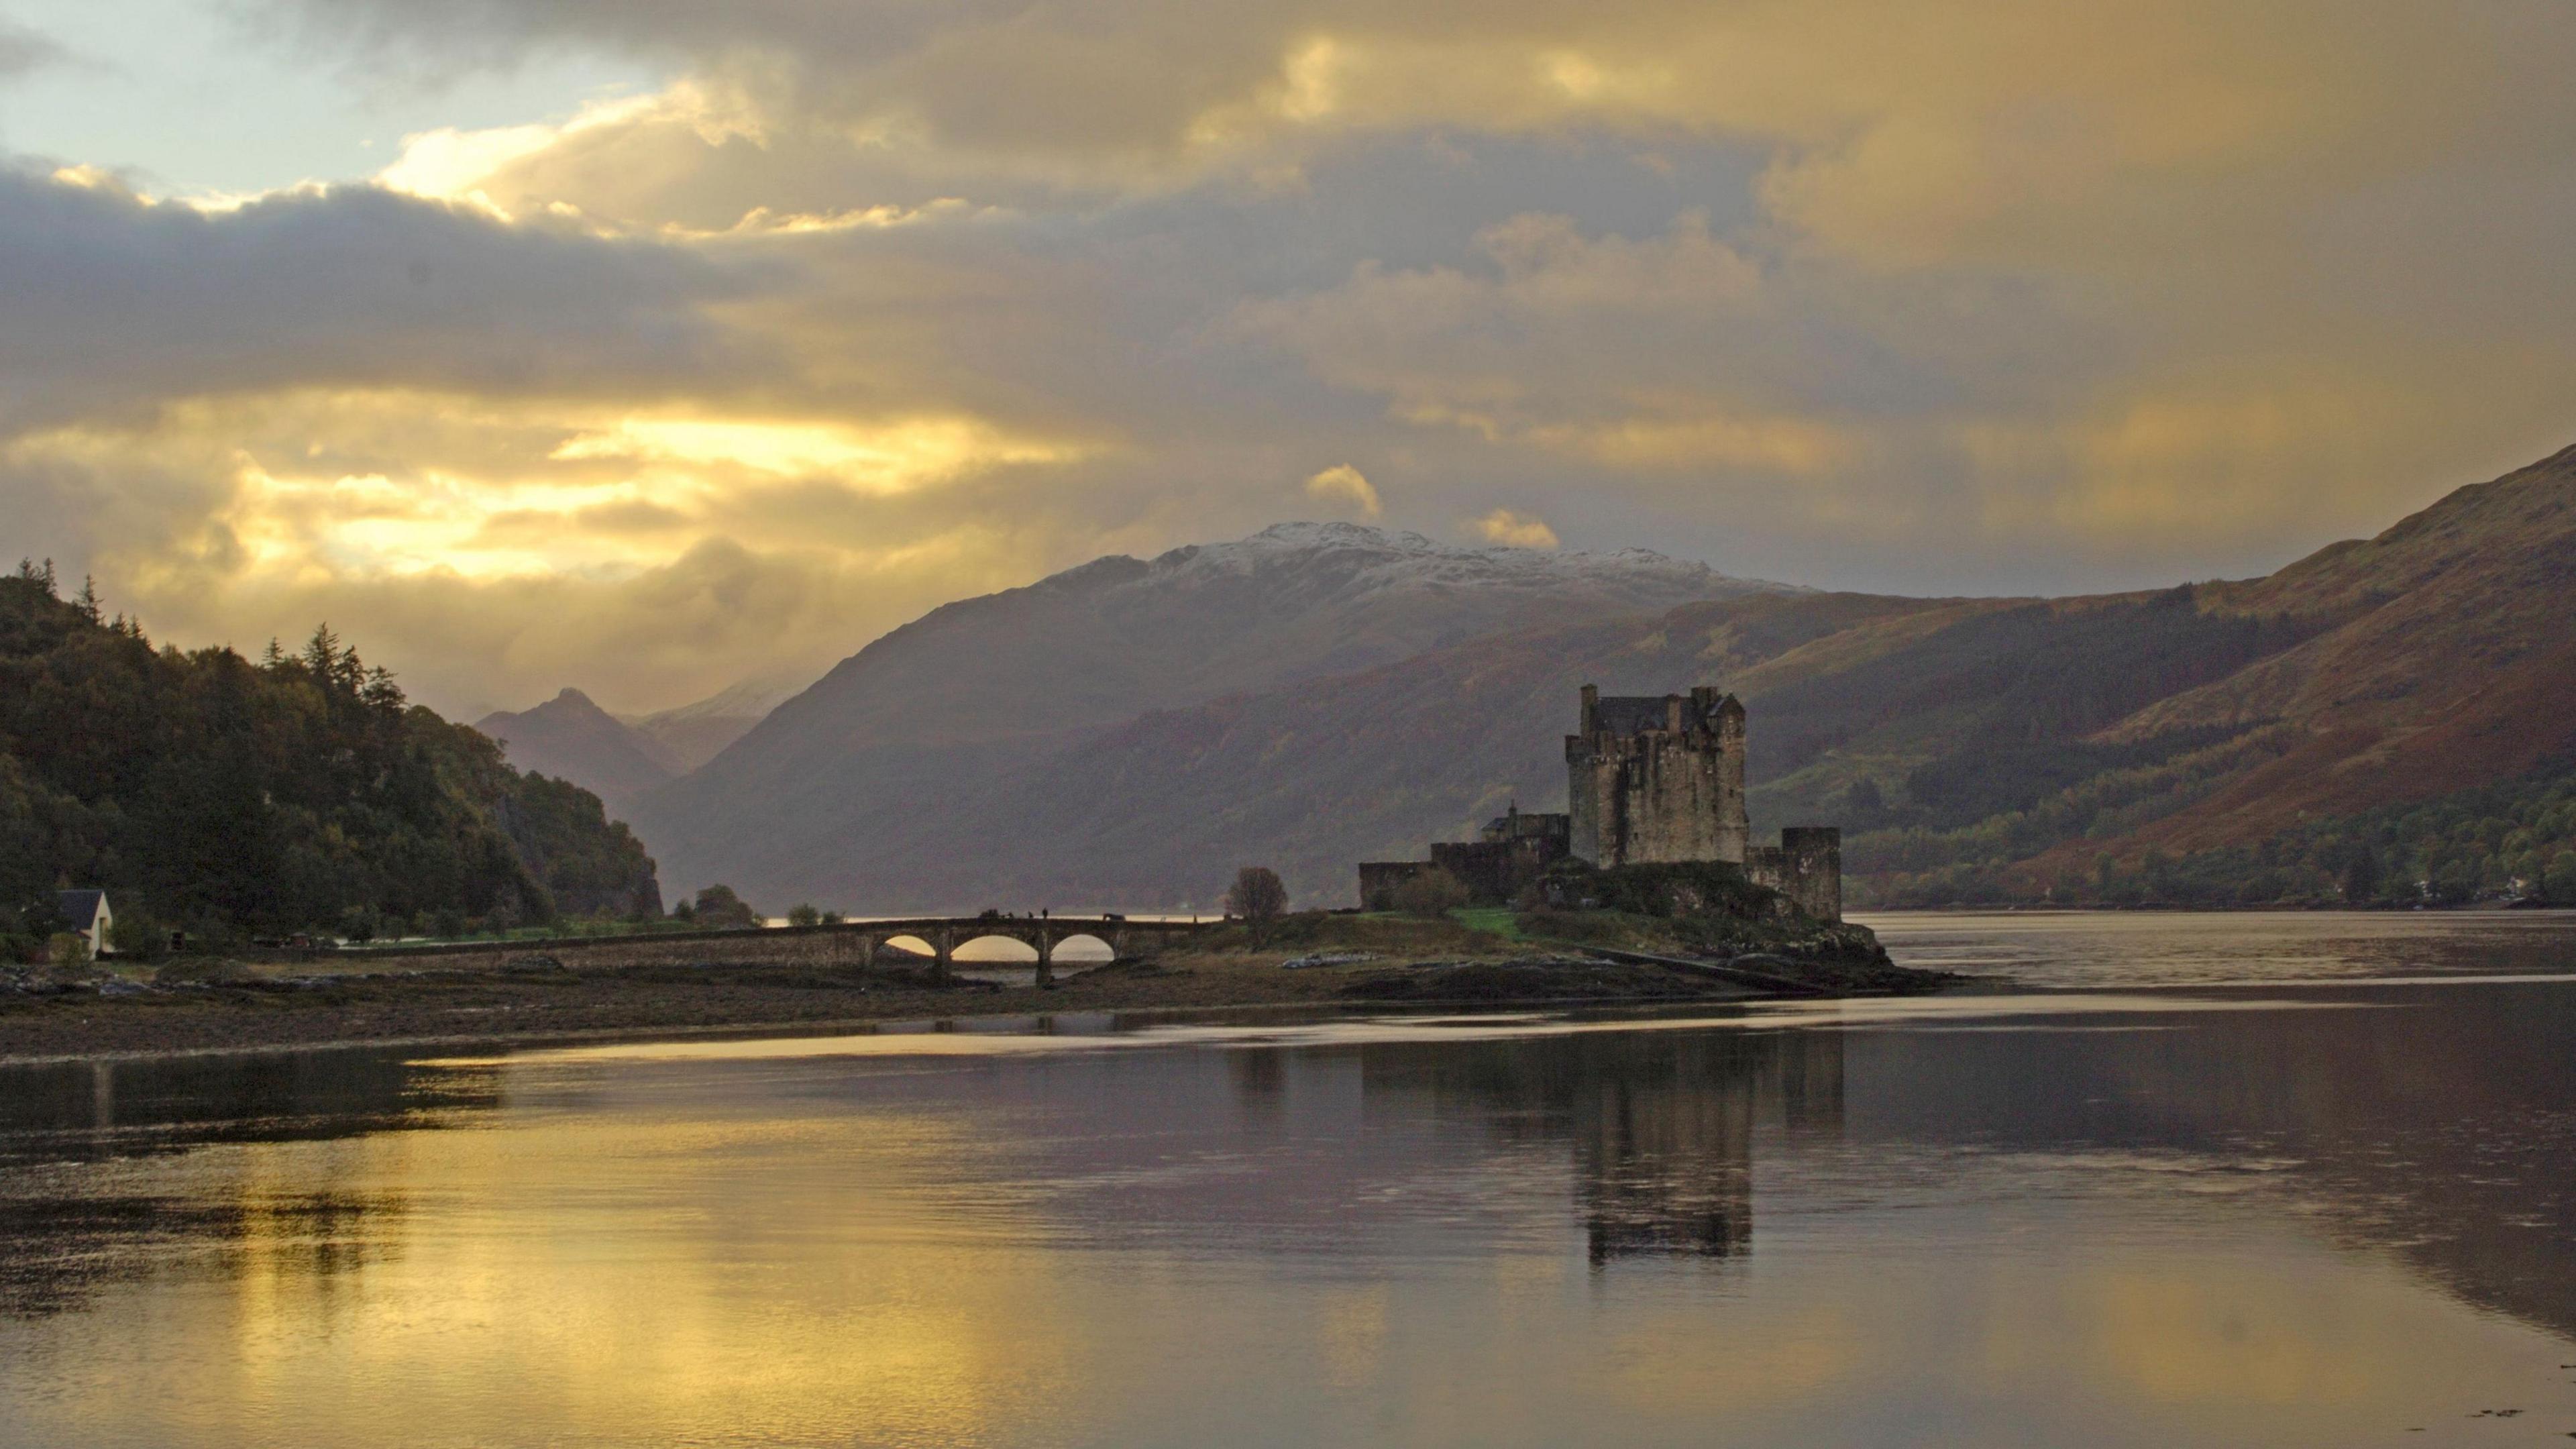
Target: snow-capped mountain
918,719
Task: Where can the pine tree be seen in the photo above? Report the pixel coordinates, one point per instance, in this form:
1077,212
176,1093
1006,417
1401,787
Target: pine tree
380,689
321,651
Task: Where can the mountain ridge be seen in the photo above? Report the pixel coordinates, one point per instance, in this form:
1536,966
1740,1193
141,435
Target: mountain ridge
569,737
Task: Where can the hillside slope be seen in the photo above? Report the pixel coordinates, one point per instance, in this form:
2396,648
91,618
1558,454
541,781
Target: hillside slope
838,792
2446,660
1369,766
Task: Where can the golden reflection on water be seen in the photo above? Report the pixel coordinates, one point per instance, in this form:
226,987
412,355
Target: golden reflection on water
607,1272
1030,1035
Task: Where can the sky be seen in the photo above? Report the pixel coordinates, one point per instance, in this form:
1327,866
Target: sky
649,346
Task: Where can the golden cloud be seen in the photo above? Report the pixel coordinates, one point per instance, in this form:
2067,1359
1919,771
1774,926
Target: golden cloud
1344,484
1514,530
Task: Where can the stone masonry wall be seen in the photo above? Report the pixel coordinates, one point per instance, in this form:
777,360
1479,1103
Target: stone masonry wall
1381,879
1806,866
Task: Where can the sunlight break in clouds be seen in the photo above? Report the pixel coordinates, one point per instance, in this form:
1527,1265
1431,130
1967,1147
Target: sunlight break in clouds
895,457
447,164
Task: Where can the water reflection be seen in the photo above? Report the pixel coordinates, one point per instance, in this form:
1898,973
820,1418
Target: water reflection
67,1235
2123,1220
2160,948
2436,1123
47,1107
1660,1127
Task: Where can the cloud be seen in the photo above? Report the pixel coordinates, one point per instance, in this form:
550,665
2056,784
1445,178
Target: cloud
23,49
1963,125
116,300
1673,350
1514,530
868,306
1343,483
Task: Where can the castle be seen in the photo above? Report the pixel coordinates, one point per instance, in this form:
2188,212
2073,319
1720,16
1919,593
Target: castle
1648,779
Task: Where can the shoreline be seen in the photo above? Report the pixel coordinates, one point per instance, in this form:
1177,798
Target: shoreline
563,1007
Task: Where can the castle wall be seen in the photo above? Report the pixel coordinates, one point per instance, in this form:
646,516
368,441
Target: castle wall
1496,871
1806,866
1381,879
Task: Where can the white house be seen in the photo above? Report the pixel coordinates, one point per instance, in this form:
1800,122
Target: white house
85,913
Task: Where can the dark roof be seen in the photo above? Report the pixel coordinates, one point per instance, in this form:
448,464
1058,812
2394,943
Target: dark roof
1631,714
1628,714
79,908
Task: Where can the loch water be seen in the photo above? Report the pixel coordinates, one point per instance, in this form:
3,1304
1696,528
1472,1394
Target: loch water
2156,1180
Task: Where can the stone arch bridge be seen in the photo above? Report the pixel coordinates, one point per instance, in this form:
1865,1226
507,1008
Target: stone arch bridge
837,943
944,934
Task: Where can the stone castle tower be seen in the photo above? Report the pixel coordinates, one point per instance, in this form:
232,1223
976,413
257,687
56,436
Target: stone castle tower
1655,779
1652,779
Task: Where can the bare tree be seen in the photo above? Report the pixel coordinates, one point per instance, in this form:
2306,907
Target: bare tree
1257,898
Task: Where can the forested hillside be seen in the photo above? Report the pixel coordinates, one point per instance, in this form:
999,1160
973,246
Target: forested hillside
227,797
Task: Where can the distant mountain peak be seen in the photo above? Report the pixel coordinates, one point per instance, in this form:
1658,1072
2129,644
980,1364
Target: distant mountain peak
572,738
687,736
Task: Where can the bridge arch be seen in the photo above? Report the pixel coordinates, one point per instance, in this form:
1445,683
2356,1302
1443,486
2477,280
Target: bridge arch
990,947
1084,948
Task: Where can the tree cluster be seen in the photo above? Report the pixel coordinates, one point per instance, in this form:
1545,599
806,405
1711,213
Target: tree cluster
230,799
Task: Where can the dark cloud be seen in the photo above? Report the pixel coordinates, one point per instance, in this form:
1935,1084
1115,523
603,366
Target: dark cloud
107,299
